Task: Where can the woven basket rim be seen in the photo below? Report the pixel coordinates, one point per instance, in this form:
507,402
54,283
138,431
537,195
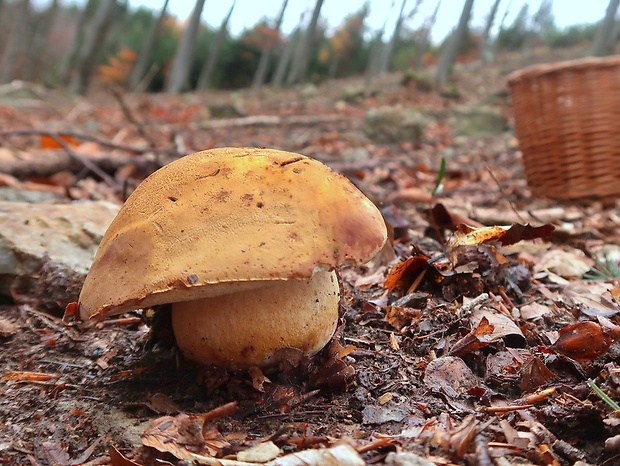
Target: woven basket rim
535,71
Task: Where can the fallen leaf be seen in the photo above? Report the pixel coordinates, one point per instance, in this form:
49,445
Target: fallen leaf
118,459
535,374
382,414
260,453
503,326
533,311
474,340
7,328
567,264
450,375
404,273
258,379
49,142
25,376
594,299
583,341
468,236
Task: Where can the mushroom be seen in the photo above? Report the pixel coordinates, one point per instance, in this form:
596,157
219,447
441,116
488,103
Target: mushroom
244,244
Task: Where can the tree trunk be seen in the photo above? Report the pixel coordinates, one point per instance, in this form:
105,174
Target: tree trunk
182,64
139,68
450,52
93,43
263,65
67,65
40,43
285,58
207,71
372,67
486,54
386,52
603,44
16,40
300,63
422,42
500,28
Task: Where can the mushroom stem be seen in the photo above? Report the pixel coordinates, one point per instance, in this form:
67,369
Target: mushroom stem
247,328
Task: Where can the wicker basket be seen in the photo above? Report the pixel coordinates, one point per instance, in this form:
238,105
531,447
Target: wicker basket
567,119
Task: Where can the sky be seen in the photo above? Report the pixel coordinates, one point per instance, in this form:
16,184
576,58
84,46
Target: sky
249,12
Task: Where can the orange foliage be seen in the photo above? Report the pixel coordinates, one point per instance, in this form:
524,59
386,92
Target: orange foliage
48,142
119,66
263,36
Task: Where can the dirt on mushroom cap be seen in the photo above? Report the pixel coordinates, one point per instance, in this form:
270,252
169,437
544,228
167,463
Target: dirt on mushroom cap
229,216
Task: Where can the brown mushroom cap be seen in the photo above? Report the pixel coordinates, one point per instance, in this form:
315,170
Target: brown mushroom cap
225,220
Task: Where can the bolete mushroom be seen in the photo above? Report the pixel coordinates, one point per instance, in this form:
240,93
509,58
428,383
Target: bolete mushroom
244,243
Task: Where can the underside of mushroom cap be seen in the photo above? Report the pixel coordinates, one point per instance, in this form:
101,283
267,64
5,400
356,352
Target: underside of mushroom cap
224,220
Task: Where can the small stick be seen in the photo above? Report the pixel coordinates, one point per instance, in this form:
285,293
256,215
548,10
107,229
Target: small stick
130,116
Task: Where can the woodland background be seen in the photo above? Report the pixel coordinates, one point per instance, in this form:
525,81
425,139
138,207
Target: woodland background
104,42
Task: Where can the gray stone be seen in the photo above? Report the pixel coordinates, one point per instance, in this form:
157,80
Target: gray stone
353,94
46,249
477,121
394,124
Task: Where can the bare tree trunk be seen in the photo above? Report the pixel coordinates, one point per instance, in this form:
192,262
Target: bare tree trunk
92,45
372,67
422,42
184,55
207,72
139,68
67,65
16,40
285,58
449,54
300,64
603,44
386,52
486,54
494,48
40,42
263,64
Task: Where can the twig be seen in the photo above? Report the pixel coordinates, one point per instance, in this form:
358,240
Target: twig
87,163
85,137
132,119
504,193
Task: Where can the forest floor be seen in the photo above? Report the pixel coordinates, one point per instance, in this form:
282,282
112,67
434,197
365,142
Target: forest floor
483,359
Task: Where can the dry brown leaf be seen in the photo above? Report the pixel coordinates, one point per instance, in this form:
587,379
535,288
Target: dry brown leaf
583,341
25,376
503,326
118,459
450,375
404,273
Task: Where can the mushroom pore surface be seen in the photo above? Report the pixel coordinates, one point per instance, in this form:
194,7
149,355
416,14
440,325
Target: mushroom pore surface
247,328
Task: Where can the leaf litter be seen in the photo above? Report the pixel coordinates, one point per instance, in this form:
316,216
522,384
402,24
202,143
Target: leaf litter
466,342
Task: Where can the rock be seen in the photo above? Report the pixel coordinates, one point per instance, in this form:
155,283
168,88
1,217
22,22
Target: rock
477,121
353,94
356,154
228,110
46,249
21,195
394,124
417,80
308,91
